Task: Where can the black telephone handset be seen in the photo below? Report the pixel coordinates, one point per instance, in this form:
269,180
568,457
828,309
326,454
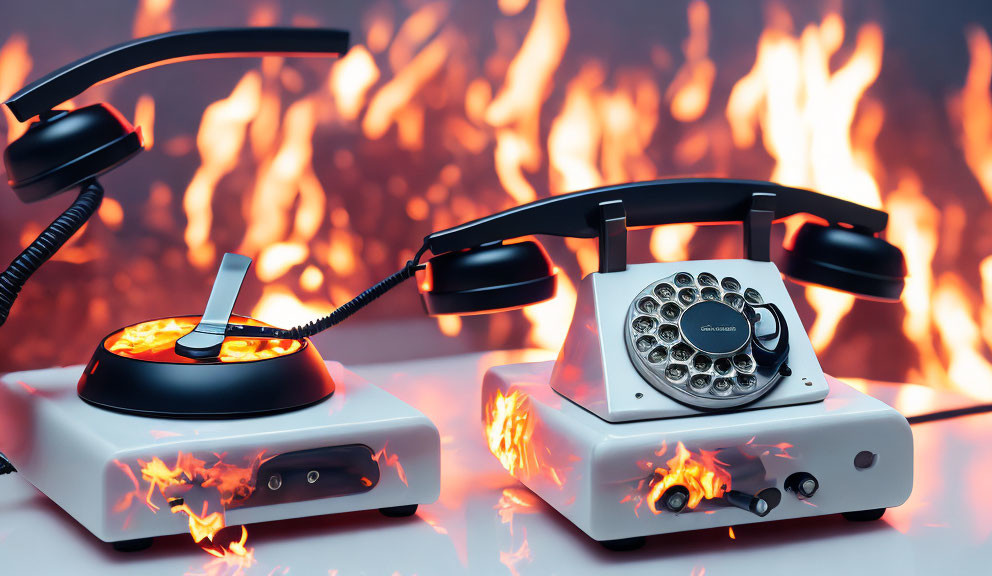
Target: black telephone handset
473,271
65,149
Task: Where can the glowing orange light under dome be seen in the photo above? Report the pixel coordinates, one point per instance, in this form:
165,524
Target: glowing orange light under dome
155,341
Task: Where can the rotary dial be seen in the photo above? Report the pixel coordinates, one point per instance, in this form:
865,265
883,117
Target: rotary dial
691,338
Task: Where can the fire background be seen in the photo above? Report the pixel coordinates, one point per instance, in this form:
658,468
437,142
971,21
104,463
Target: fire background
329,172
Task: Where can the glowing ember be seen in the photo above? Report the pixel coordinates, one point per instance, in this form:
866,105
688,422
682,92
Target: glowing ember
703,475
155,341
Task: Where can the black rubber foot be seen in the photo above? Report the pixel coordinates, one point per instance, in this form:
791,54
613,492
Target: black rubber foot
864,515
624,544
135,545
399,511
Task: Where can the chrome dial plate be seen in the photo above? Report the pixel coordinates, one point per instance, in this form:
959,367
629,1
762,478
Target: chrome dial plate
661,353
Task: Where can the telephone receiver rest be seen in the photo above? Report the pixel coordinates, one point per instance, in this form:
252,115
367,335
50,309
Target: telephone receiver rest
66,148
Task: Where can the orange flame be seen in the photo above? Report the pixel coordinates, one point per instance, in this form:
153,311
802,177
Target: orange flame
703,475
509,426
689,92
144,117
219,140
391,460
973,109
152,17
155,341
233,484
515,110
806,114
350,80
15,65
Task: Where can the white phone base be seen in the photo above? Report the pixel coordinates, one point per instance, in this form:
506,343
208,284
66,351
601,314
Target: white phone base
86,459
600,475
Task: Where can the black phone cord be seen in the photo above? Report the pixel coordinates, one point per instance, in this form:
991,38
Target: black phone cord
47,243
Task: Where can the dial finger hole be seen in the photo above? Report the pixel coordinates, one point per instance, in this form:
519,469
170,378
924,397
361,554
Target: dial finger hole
670,311
722,366
643,324
683,279
746,381
743,363
648,305
722,385
664,291
659,354
706,279
701,363
710,294
676,372
644,343
681,353
734,300
668,333
753,296
699,382
687,296
731,284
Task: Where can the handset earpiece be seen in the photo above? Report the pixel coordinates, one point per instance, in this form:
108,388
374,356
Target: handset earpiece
848,260
488,278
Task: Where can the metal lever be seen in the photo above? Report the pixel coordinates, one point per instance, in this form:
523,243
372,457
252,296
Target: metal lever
206,339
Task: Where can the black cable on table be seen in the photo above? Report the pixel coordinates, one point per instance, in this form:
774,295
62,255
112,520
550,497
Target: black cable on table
949,414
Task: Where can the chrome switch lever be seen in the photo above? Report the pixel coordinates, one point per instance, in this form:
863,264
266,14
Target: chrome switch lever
206,339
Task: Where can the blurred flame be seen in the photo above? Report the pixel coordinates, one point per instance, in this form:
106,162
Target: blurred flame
961,338
15,65
284,182
689,92
574,139
973,106
111,213
449,324
389,102
806,113
276,259
152,17
144,117
512,7
350,80
219,140
515,110
551,319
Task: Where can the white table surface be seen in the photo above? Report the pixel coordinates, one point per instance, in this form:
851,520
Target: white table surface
943,529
